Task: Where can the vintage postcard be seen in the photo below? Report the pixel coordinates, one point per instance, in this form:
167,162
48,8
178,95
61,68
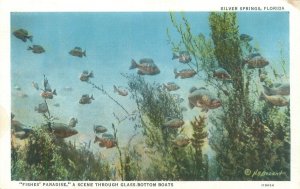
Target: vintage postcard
138,94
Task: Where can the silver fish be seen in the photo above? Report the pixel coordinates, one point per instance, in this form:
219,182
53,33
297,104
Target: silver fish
73,121
86,99
173,123
38,49
85,75
183,57
246,37
22,134
256,61
67,88
17,87
77,51
22,94
276,100
185,73
41,108
17,126
22,34
62,130
202,98
171,86
222,74
278,89
146,67
181,141
35,85
120,91
108,135
56,104
99,129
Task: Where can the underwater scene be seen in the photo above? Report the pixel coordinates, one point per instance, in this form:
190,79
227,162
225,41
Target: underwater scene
121,96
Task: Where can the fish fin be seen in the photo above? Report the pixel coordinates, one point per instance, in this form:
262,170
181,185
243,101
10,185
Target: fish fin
84,53
191,105
91,74
92,97
26,130
29,48
244,62
54,92
140,72
176,73
259,71
193,89
95,140
175,56
30,38
262,96
133,64
165,86
250,67
115,89
267,90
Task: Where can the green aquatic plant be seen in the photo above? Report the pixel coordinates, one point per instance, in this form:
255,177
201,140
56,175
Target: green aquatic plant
242,135
199,137
168,161
44,157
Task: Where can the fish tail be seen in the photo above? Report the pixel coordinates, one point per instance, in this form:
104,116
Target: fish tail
29,48
176,73
91,74
214,73
195,88
175,56
96,139
262,96
35,109
191,105
244,62
267,90
115,89
54,92
30,38
133,64
26,130
84,53
165,86
92,97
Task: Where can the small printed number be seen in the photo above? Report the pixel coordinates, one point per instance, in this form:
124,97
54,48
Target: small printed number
267,185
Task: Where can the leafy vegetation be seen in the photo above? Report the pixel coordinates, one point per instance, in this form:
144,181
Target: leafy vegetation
44,157
168,161
247,134
244,133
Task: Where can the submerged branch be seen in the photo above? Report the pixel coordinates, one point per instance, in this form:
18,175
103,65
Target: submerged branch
105,93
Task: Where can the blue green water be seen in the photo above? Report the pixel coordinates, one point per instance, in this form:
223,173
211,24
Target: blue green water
111,40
